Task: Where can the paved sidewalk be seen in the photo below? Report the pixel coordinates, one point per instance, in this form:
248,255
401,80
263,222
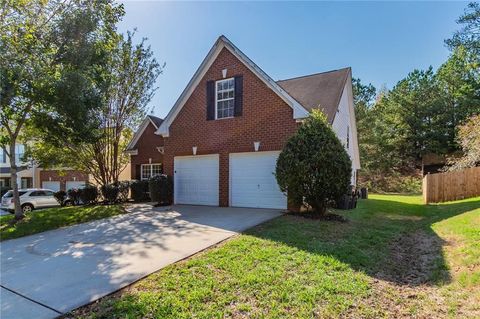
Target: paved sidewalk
51,273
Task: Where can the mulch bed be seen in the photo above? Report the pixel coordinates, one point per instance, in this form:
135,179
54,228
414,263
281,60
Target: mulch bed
326,217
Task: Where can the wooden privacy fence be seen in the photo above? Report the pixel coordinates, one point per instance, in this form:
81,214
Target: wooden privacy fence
443,187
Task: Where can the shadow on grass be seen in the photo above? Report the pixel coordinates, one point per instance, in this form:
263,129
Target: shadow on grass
388,238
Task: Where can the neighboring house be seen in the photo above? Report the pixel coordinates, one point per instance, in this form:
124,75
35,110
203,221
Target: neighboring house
27,174
222,137
30,175
146,150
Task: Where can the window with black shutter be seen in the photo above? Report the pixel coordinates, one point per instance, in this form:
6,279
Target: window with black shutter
225,98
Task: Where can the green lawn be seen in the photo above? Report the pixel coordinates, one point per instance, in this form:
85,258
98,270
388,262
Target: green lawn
394,258
47,219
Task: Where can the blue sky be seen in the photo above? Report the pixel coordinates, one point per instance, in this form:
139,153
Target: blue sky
381,41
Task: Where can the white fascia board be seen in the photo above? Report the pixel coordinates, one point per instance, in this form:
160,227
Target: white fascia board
353,120
132,152
299,111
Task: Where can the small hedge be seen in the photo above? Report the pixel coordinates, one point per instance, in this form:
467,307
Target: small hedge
60,197
74,195
139,191
160,188
89,194
110,193
123,190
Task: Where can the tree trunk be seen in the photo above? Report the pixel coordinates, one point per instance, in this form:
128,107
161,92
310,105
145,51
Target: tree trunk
13,177
319,208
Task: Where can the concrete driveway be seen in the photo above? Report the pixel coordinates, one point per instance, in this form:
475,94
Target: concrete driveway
48,274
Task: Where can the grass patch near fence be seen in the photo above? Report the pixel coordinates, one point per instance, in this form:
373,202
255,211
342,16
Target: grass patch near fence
46,219
395,258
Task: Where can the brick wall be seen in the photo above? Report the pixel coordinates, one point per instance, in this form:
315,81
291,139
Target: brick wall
62,176
266,118
147,149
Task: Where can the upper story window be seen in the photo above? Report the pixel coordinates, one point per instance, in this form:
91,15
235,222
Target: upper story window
19,152
225,98
3,156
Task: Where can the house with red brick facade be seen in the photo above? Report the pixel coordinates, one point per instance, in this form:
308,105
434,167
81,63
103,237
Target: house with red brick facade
31,175
146,150
221,139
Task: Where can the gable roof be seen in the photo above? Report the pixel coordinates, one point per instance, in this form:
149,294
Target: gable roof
222,42
318,91
155,121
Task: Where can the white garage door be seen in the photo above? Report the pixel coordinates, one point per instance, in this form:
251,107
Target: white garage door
75,184
54,186
252,181
196,180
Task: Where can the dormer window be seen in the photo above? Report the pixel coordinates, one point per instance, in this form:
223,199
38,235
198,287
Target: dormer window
225,98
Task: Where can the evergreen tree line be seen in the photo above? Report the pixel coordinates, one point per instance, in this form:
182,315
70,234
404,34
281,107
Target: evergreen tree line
421,115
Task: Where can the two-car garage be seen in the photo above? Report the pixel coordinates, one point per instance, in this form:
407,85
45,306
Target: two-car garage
251,183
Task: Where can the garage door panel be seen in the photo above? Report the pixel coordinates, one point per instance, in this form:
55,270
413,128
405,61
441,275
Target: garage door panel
51,185
75,184
196,180
253,183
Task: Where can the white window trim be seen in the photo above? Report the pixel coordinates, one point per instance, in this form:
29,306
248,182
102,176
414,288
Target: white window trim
141,170
216,98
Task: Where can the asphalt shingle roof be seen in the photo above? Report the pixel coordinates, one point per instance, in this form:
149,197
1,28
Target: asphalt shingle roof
318,91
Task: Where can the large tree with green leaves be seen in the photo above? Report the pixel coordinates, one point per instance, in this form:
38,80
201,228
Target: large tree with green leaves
36,62
126,88
469,139
469,34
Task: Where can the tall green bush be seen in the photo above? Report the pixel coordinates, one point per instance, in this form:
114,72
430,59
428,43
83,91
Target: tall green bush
89,194
314,167
123,190
110,193
74,195
160,188
60,197
139,190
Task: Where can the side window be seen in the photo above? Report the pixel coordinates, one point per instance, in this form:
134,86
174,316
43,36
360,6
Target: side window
37,193
48,193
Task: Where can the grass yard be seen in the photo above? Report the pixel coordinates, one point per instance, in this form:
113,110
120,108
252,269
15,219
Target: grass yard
42,220
394,258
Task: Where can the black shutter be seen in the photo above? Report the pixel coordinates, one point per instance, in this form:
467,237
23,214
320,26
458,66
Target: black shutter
238,95
210,100
137,172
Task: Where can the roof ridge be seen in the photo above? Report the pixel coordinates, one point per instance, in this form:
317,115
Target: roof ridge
313,74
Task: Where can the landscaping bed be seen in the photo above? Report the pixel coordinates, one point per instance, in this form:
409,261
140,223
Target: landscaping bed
395,258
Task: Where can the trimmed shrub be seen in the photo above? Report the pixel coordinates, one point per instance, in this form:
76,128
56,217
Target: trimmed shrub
74,195
160,188
139,191
110,193
60,197
89,194
314,168
123,190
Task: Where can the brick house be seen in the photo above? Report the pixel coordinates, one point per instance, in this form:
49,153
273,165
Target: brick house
146,150
30,175
222,137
